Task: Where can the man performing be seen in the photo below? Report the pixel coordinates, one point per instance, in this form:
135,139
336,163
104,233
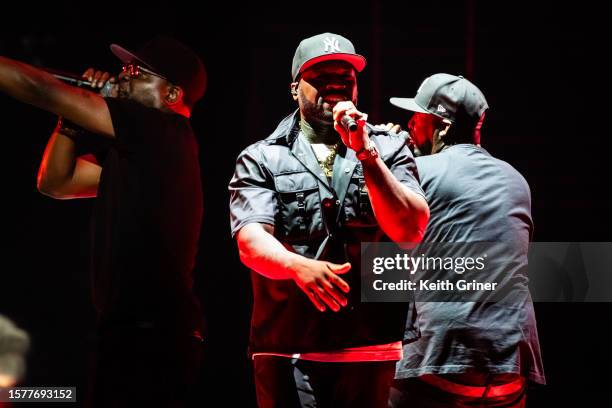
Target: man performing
302,201
468,353
145,173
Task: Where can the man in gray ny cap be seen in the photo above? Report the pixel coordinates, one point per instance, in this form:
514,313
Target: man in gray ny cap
302,201
466,353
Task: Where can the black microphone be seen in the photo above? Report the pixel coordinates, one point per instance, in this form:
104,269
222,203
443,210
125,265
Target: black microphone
349,123
69,77
78,80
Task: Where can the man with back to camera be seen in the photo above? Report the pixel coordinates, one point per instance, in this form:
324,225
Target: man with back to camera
145,174
302,201
460,354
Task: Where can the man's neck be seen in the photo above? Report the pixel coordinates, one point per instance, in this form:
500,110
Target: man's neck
319,132
438,143
438,147
180,110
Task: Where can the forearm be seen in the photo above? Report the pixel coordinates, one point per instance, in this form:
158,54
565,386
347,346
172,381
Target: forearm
35,87
401,213
58,163
25,83
262,252
62,174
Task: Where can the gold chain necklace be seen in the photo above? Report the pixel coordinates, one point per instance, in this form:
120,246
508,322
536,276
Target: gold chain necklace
327,164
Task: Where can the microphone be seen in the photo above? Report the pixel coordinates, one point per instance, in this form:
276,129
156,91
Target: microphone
78,80
349,123
69,77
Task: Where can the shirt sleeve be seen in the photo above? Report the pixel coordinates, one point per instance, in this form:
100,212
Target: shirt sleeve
253,197
135,123
404,168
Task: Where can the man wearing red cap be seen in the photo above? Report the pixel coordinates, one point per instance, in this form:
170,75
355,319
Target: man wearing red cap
302,202
142,166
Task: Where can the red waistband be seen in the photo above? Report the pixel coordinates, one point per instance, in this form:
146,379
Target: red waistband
472,391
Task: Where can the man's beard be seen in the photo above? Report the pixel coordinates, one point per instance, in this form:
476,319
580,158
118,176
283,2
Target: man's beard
123,94
316,111
143,98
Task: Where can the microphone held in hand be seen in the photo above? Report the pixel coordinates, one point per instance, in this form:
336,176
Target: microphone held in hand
78,80
349,123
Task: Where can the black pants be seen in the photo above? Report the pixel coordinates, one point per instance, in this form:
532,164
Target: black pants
416,393
287,383
136,366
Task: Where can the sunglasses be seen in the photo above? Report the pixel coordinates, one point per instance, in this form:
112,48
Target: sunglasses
134,71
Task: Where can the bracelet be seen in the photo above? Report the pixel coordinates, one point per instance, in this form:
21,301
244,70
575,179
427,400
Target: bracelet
367,152
69,129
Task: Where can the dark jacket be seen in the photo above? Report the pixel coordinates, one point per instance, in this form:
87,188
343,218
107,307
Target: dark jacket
278,181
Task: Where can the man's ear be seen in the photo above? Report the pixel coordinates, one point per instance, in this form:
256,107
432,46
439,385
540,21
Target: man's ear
444,128
174,96
294,92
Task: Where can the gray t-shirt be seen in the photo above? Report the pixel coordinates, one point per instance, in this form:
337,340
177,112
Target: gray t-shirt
474,197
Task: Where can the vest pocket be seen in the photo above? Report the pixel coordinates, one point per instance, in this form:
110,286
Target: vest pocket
360,212
299,204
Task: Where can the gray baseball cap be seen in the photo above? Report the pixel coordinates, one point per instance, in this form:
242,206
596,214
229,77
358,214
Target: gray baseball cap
446,96
325,47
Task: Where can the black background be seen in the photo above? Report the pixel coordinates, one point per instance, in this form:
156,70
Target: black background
538,63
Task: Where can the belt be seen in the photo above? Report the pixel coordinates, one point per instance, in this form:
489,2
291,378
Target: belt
489,391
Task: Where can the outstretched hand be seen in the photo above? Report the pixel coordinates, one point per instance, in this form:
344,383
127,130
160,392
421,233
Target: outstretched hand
319,280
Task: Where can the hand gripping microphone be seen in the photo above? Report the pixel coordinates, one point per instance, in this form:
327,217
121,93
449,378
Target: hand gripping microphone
78,80
349,123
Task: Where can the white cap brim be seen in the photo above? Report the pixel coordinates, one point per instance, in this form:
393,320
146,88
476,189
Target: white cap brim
408,104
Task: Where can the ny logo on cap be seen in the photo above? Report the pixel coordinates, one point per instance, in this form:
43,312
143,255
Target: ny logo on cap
331,44
441,109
